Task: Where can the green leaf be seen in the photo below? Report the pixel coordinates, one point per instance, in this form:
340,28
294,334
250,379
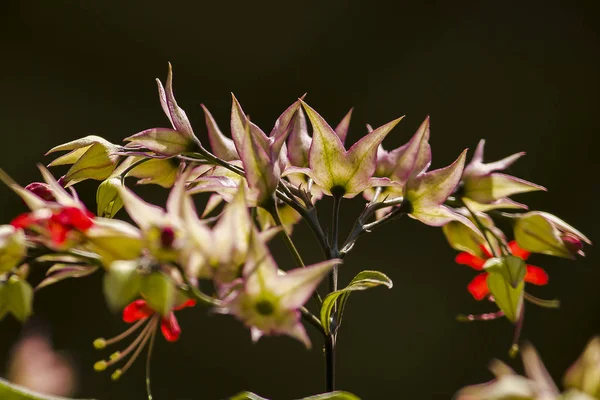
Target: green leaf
362,281
247,396
507,298
337,395
10,391
18,297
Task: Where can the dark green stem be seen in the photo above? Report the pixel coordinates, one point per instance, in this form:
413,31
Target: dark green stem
482,228
333,286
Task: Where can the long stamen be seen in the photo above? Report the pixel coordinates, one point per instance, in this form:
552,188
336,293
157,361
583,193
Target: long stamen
542,302
148,359
118,356
101,343
152,326
480,317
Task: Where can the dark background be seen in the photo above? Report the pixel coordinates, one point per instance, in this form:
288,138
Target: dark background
523,75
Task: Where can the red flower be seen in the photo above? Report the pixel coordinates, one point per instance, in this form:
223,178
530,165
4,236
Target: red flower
56,223
169,326
478,286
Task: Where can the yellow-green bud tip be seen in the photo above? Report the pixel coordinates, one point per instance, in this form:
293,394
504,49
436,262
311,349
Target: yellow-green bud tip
116,375
99,343
115,355
514,350
100,365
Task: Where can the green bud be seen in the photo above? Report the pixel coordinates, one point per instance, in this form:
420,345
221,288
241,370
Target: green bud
121,284
107,198
12,247
159,291
92,158
18,297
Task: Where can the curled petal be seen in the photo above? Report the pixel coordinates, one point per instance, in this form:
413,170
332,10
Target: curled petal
536,275
170,328
517,251
137,310
471,260
478,287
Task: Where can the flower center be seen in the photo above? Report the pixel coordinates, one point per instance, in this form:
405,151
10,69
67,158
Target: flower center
264,307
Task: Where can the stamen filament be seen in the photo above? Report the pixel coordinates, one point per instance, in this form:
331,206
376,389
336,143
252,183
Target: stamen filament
129,331
541,302
148,359
132,346
147,335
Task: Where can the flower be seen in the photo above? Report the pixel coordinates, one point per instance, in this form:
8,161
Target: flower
478,287
139,312
167,142
59,223
261,155
62,225
541,232
483,184
218,252
339,171
92,157
269,300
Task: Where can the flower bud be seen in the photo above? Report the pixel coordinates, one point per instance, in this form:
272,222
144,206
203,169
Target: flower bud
92,158
107,198
159,291
16,296
121,284
12,247
42,190
541,232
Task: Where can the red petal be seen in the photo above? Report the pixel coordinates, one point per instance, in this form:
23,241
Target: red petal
58,232
76,218
517,251
536,275
471,260
137,310
22,221
486,251
478,287
170,328
188,303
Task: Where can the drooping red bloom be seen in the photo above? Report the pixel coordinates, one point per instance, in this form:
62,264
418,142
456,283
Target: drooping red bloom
478,286
56,223
139,309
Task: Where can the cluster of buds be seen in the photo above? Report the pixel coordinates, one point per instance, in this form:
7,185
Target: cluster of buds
260,185
581,381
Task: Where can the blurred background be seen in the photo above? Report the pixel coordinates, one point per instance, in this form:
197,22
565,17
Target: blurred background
523,75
